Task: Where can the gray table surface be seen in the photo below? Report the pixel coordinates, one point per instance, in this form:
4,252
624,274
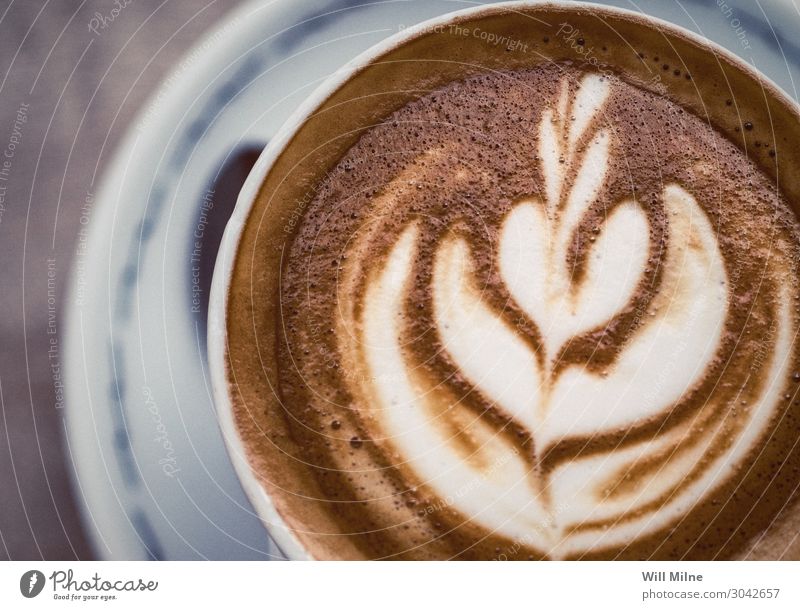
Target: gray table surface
67,94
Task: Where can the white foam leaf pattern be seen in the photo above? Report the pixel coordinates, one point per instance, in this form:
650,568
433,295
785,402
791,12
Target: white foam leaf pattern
672,350
558,144
536,274
664,358
412,427
492,355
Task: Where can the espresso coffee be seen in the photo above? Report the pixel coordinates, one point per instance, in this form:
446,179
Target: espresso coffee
537,311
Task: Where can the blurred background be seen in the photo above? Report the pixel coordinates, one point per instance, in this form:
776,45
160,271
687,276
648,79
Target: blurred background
80,92
74,79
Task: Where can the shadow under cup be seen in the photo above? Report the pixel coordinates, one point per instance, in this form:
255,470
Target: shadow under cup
658,57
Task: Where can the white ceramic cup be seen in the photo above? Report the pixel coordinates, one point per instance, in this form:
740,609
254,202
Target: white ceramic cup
284,537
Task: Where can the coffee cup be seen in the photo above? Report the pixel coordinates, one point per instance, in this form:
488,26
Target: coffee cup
519,282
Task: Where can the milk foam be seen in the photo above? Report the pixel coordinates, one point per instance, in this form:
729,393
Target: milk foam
667,355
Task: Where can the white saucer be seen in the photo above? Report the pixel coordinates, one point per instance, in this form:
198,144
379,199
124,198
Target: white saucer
150,464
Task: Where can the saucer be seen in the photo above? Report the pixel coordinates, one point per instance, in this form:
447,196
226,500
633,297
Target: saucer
150,465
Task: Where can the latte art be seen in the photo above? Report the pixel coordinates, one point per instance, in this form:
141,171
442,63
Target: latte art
543,310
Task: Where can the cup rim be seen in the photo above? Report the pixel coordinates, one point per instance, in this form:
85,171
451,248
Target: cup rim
263,505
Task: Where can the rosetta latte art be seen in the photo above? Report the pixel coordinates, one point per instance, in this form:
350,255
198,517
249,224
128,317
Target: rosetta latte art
561,368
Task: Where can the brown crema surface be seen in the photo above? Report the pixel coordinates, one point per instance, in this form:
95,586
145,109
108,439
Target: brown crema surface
457,160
